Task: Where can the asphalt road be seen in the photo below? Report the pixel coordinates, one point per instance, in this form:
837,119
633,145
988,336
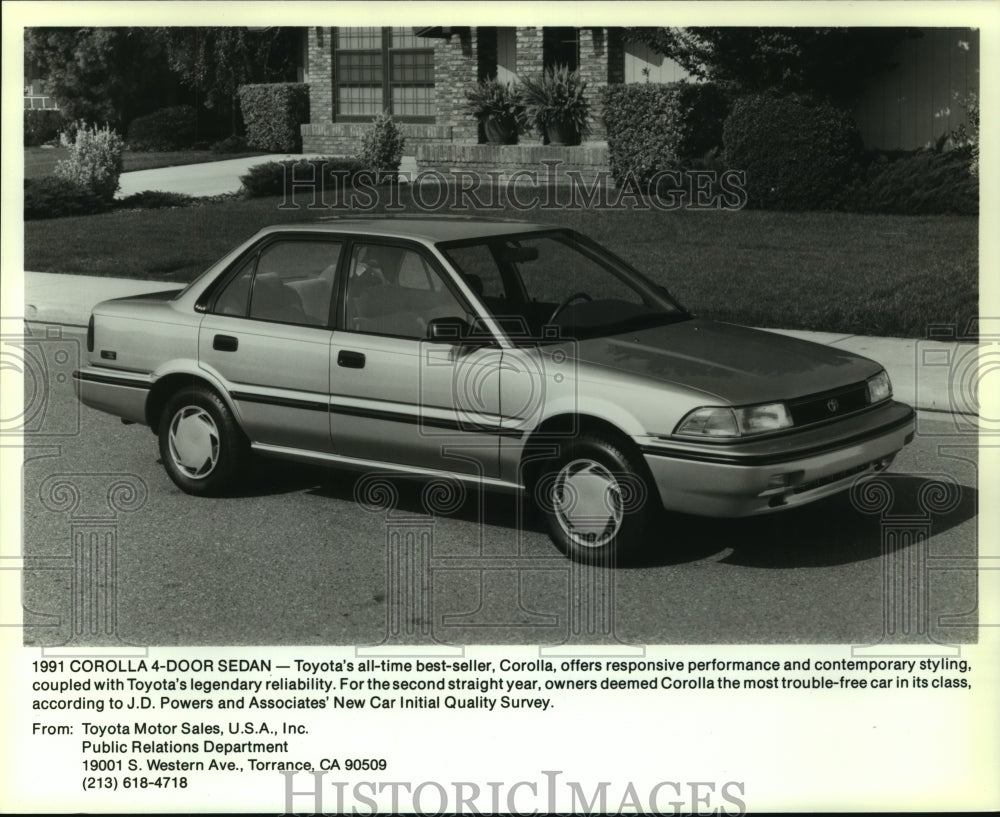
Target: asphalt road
294,558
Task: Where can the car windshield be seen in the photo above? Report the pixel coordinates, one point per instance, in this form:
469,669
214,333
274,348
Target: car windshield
559,284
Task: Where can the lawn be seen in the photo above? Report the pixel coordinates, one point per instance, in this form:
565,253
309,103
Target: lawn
837,272
40,162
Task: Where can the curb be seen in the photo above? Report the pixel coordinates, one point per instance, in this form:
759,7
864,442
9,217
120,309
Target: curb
929,375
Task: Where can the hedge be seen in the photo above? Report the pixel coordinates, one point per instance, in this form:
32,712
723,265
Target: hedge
273,115
798,153
173,128
41,126
51,197
653,127
921,182
276,178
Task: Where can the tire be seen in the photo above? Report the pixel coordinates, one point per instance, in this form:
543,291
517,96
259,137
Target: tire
595,498
202,447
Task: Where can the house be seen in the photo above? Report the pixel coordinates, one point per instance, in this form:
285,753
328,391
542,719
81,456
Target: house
420,75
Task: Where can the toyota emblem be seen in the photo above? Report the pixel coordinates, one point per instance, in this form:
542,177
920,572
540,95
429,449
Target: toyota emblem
832,405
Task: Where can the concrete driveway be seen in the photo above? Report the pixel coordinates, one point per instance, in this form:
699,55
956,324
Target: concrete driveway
211,178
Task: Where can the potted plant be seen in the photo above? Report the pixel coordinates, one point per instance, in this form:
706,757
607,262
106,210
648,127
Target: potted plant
499,108
557,106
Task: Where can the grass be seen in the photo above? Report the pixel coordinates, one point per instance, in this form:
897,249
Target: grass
835,272
40,162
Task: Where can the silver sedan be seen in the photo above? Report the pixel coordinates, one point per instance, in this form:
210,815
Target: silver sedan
509,354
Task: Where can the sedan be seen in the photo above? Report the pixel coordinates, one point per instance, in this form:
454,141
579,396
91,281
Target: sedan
507,354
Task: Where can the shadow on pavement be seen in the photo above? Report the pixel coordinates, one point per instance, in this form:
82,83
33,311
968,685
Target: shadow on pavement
830,532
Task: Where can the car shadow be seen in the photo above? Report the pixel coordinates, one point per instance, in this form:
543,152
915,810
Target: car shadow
841,529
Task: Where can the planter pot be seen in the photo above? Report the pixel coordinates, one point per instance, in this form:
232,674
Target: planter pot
500,131
562,132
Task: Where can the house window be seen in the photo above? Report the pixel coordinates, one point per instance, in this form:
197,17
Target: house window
381,69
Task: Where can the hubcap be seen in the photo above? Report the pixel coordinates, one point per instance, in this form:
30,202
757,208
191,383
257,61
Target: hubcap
587,500
194,442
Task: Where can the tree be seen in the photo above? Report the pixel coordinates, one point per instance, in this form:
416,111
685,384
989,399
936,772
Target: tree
829,62
103,75
115,74
215,62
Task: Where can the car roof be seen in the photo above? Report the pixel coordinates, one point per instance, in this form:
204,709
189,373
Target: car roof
427,228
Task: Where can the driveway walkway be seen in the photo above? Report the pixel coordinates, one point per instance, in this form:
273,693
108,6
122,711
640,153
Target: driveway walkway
210,178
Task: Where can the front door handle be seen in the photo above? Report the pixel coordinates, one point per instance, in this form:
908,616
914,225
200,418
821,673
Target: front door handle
350,360
225,343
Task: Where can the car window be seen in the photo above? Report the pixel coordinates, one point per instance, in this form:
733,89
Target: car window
532,283
395,291
233,299
479,269
288,281
552,271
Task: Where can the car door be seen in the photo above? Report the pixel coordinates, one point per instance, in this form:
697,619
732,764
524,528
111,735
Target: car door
266,336
395,396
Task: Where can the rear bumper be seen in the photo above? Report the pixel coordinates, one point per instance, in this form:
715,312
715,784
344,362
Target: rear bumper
763,476
120,393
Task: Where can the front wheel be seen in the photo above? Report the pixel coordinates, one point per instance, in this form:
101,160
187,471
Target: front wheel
595,500
201,445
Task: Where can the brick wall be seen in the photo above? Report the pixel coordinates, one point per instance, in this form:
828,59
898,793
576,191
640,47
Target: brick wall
344,138
588,160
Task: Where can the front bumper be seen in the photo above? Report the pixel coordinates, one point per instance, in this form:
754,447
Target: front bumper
766,475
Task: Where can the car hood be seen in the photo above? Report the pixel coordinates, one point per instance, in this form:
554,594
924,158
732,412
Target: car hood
733,363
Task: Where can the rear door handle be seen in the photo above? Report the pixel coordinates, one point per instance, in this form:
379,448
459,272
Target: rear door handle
350,360
225,343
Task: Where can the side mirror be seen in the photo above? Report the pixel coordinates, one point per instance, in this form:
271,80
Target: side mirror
447,330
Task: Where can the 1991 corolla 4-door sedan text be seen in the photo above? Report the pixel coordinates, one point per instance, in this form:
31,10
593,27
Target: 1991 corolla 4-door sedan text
509,354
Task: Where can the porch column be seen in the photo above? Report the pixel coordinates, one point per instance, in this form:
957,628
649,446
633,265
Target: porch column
529,58
594,50
320,77
455,71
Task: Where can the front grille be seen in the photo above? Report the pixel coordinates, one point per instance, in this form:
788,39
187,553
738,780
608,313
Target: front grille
826,406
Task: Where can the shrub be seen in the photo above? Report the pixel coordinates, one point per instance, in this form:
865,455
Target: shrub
155,200
52,197
382,148
95,160
41,126
557,99
273,115
919,183
798,153
277,178
231,144
172,128
654,127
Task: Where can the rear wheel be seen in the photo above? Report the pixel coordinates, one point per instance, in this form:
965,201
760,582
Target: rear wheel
201,445
594,498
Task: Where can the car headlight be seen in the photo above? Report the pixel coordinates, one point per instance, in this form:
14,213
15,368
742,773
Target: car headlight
721,421
879,387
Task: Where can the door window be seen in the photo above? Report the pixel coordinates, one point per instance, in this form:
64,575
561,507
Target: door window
395,291
288,282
